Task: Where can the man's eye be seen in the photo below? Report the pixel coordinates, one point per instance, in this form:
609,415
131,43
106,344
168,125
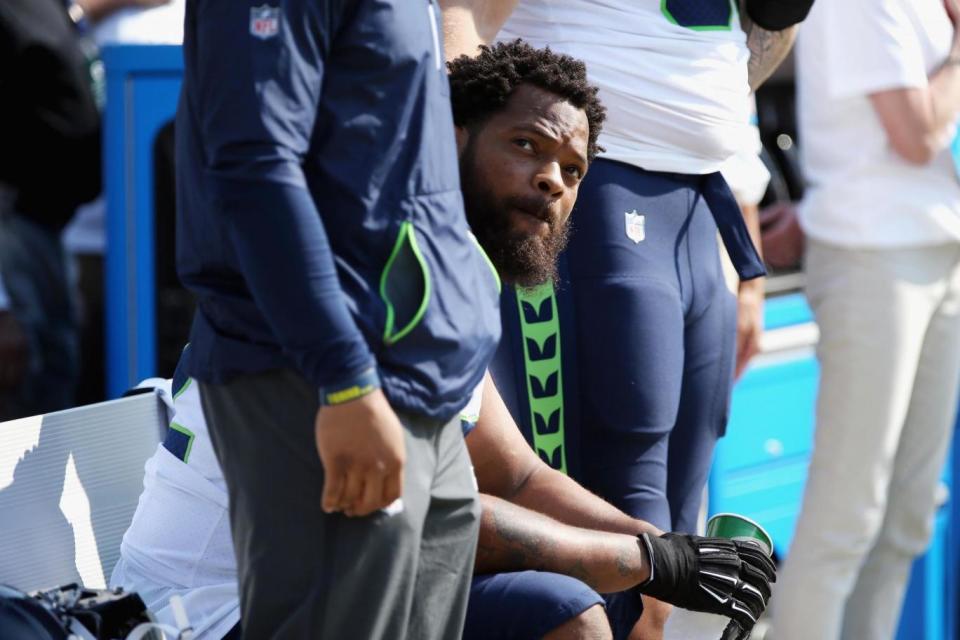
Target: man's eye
574,171
523,143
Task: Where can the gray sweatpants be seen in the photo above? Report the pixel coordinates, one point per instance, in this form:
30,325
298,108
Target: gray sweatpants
307,574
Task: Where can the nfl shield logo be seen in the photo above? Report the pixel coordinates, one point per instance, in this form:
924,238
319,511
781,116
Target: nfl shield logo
633,223
264,21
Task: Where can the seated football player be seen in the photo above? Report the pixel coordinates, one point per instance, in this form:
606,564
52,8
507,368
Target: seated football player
527,124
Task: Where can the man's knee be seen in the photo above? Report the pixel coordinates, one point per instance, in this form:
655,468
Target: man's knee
591,624
652,622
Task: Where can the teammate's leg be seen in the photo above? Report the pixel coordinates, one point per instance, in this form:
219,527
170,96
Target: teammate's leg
709,353
302,572
629,265
449,542
628,306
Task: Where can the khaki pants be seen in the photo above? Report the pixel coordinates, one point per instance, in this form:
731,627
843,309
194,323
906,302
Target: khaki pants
890,357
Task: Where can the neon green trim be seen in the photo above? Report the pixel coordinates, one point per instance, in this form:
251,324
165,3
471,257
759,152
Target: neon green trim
666,12
493,269
190,437
350,393
388,327
406,235
186,385
707,27
548,410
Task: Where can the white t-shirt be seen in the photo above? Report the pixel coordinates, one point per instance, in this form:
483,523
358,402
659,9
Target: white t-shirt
862,194
744,171
179,541
677,97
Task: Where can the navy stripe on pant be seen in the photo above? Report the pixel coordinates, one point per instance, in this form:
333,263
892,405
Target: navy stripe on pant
647,339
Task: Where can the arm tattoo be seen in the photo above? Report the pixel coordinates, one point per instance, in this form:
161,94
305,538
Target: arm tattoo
629,562
523,546
767,48
515,539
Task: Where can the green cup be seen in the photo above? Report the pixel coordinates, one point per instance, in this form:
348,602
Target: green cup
736,527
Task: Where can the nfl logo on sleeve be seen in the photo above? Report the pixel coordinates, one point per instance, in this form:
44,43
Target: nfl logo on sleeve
264,21
634,224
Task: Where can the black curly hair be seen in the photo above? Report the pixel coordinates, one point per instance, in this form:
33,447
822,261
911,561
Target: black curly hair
481,86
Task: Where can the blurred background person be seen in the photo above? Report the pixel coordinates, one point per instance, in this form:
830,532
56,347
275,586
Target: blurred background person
882,218
51,344
49,164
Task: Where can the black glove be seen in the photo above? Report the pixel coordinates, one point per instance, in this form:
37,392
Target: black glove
714,575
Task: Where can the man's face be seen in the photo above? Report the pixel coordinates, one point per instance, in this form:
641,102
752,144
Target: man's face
520,170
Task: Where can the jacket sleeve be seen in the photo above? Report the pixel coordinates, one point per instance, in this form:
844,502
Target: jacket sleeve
256,95
776,15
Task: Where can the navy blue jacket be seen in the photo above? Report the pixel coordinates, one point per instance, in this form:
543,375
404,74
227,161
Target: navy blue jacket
321,224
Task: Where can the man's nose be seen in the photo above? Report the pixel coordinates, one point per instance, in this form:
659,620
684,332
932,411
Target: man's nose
549,180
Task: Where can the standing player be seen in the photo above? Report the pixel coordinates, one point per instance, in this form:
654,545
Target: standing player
622,374
344,312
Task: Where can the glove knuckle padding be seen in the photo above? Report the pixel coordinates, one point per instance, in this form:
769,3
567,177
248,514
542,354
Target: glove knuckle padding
756,581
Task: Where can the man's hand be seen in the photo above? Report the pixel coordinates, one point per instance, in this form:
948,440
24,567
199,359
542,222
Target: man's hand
749,322
360,443
713,575
13,351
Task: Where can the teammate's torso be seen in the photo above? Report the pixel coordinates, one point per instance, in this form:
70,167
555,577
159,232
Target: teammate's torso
381,168
180,532
672,74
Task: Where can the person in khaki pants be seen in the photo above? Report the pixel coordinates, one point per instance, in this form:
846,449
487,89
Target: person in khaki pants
877,113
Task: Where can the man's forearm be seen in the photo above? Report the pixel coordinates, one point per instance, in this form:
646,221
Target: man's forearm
767,49
467,24
552,493
513,538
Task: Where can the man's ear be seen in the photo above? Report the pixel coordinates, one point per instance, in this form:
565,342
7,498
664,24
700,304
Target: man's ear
463,137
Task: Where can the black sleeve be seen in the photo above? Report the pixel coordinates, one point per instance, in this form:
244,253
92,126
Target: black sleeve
776,15
50,126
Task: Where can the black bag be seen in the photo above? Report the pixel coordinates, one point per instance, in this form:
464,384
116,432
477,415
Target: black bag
52,614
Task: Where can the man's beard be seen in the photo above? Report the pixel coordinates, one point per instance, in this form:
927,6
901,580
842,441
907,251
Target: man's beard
522,259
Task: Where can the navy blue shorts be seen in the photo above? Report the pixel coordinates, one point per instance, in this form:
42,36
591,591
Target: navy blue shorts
621,374
528,604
